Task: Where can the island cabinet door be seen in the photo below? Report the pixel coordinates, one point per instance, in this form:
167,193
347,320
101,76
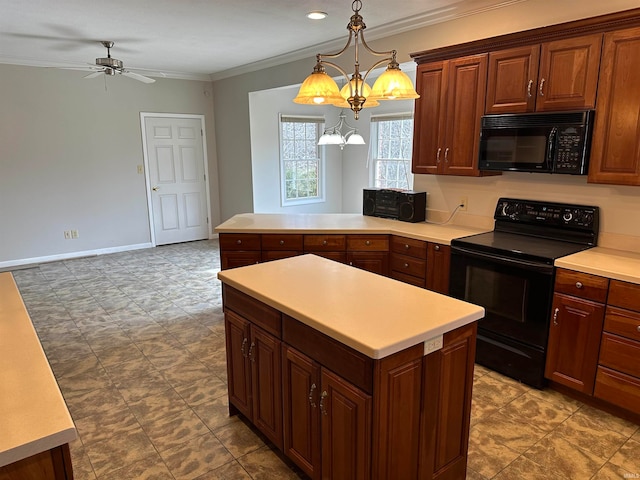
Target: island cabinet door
447,387
266,374
301,395
345,429
238,367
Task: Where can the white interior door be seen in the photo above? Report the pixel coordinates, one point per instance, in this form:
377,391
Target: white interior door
177,178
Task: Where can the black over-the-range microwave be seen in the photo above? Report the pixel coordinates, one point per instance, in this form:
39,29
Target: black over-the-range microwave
557,142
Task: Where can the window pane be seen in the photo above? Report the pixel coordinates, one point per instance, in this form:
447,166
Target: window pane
300,156
392,153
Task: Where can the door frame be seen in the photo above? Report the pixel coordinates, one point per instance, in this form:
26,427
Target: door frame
145,154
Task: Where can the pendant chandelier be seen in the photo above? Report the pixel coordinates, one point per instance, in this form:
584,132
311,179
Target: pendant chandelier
320,89
335,136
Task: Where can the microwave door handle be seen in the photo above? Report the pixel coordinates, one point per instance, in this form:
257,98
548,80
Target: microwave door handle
551,147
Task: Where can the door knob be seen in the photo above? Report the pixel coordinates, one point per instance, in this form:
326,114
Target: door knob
155,189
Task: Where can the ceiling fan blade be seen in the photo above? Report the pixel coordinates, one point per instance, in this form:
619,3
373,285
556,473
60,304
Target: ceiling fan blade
137,76
94,74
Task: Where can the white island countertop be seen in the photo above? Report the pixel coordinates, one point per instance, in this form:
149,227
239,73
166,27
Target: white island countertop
375,315
345,223
606,262
33,415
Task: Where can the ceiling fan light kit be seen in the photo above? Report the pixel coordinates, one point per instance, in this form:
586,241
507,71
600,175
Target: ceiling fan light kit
320,89
112,66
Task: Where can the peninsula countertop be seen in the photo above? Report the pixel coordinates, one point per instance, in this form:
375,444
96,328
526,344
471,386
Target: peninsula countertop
33,415
350,223
372,314
606,262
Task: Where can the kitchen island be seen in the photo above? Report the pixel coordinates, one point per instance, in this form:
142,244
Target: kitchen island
35,425
350,374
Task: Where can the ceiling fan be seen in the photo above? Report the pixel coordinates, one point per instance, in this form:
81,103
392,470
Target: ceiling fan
112,66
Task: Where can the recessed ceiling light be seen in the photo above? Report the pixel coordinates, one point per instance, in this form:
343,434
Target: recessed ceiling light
316,15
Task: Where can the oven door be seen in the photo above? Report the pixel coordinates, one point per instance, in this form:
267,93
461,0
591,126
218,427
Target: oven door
517,296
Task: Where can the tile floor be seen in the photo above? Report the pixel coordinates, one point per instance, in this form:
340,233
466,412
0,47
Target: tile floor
136,342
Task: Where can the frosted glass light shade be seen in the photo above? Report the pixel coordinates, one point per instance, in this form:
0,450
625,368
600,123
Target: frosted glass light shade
331,139
318,89
355,139
393,84
345,92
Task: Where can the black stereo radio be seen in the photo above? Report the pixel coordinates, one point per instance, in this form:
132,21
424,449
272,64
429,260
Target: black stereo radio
407,206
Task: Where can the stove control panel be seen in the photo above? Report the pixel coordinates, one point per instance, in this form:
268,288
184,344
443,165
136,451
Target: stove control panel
560,215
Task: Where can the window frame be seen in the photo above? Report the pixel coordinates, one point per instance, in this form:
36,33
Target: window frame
373,160
320,125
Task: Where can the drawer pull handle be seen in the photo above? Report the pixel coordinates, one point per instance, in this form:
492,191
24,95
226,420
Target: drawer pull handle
251,355
555,316
323,395
311,402
579,285
243,348
367,243
437,248
406,246
239,242
281,242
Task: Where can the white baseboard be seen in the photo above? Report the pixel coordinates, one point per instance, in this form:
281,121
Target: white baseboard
67,256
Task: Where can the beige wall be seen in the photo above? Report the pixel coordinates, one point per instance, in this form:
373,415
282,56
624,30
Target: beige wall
620,205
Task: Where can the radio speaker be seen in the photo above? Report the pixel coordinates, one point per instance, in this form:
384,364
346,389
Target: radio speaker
407,206
369,202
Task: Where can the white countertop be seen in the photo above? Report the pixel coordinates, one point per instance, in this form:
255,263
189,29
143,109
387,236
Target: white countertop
341,223
606,262
33,415
375,315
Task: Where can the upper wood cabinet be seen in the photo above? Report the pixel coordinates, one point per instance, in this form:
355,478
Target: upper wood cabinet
558,75
615,152
447,115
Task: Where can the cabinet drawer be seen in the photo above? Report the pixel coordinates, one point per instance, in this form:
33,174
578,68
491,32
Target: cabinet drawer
239,241
624,294
320,243
409,265
623,322
410,279
619,389
281,242
341,359
409,246
620,354
262,315
582,285
365,243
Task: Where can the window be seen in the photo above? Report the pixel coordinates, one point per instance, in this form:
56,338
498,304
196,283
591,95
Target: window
391,145
301,164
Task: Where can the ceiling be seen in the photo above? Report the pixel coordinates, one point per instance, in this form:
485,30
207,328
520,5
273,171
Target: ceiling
202,39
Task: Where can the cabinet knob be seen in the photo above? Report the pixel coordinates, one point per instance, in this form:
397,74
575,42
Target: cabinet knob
436,248
555,316
239,242
638,328
324,242
406,265
367,243
281,242
406,247
579,285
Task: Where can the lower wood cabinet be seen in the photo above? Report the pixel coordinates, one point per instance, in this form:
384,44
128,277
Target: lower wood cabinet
342,414
438,267
53,464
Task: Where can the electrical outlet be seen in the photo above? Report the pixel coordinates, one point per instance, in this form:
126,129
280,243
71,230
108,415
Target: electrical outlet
67,234
74,234
433,344
463,203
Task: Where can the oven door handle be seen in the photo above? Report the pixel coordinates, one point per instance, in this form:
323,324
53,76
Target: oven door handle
512,262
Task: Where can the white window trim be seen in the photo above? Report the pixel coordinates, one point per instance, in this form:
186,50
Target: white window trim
321,198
